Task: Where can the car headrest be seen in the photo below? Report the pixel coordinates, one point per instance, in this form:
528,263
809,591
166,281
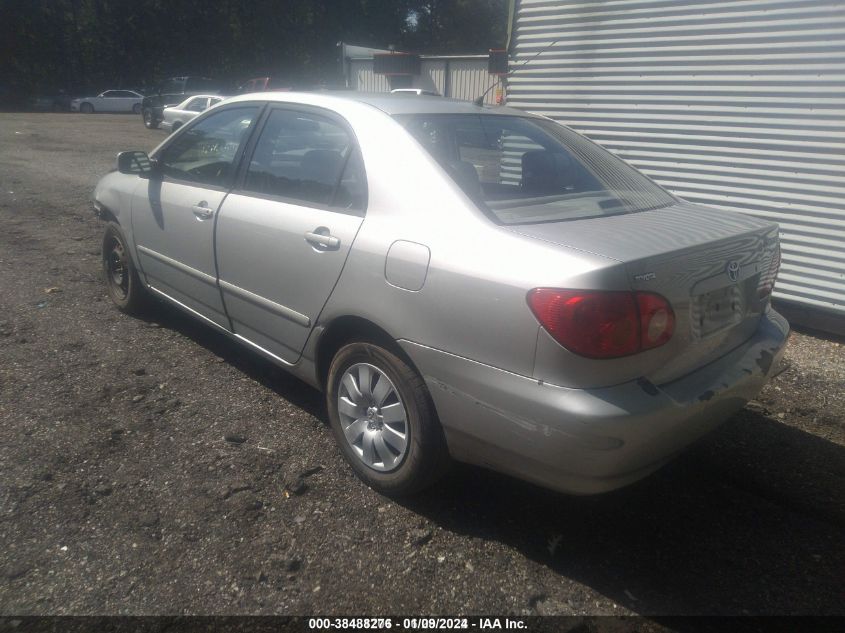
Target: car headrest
321,165
465,175
546,172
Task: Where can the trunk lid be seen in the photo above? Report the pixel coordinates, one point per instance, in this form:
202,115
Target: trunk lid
708,263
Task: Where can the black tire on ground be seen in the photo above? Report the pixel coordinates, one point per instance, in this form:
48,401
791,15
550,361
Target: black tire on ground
427,456
136,109
123,284
150,122
176,126
86,108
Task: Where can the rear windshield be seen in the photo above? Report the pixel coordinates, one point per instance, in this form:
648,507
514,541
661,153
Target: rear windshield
524,170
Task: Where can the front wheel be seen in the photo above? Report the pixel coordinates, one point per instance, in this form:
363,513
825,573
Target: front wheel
384,420
122,281
136,109
150,121
86,108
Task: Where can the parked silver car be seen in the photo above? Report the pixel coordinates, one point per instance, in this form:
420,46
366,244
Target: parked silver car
109,101
463,282
176,116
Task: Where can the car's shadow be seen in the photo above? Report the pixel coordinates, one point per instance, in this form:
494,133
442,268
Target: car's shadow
749,521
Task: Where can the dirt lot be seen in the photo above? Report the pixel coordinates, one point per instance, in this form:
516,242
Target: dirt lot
121,494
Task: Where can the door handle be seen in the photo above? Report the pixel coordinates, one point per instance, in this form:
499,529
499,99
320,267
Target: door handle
202,211
318,239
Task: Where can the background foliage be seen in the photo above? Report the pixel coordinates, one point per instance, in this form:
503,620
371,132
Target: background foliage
78,45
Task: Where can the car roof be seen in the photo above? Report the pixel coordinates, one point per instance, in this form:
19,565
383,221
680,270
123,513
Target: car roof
389,103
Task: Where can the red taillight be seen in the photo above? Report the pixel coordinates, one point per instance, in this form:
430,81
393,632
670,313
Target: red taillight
603,324
657,320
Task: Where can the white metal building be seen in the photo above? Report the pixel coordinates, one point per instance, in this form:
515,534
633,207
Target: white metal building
738,104
457,76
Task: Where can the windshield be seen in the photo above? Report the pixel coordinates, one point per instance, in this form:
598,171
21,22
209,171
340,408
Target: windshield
524,170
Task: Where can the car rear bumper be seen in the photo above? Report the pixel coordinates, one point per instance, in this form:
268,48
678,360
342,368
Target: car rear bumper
587,441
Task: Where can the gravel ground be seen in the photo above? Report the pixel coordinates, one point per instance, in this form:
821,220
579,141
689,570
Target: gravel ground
153,467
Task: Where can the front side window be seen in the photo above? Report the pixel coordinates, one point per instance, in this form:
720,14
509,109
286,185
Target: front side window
307,158
205,153
525,170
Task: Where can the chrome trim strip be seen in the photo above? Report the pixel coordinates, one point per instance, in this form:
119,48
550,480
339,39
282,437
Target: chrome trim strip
221,328
278,359
271,306
187,308
164,259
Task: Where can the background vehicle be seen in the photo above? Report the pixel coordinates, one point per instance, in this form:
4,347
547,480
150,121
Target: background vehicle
176,116
462,282
414,91
265,84
172,92
52,102
109,101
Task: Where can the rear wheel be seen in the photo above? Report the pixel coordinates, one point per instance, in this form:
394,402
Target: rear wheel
384,420
150,121
136,109
86,108
122,281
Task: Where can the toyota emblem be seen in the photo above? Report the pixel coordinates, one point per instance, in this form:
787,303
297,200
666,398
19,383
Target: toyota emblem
733,270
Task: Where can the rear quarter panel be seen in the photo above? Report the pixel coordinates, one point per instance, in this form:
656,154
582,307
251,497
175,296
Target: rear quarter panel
473,300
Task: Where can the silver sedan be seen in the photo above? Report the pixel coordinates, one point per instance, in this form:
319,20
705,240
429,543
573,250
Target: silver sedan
109,101
176,116
463,283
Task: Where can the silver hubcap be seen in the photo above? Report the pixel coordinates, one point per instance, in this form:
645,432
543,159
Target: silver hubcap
373,417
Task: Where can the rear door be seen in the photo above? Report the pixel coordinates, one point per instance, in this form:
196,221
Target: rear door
284,234
173,213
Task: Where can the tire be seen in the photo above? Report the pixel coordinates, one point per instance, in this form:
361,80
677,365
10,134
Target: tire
375,449
123,284
150,121
136,108
176,125
86,108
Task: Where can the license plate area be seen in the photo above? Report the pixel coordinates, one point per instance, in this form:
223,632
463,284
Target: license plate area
718,310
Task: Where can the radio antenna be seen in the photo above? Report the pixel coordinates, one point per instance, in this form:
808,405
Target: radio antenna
479,101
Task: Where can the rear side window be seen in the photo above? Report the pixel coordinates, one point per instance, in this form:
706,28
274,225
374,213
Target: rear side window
196,105
307,158
527,170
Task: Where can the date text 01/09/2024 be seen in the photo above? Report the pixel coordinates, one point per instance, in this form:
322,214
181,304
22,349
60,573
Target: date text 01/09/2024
421,623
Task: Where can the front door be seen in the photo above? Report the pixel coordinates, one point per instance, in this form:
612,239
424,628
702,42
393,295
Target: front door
173,212
284,234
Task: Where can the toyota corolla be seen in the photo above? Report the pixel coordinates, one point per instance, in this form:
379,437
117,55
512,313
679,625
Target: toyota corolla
464,283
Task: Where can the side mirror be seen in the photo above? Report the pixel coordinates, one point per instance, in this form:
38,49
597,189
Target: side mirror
135,162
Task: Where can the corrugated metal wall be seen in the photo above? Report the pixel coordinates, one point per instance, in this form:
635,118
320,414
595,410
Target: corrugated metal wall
738,104
457,77
364,79
432,76
469,79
